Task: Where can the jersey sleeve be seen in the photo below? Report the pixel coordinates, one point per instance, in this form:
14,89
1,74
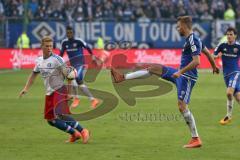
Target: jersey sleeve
59,61
82,43
218,49
62,49
195,45
203,46
36,68
60,65
238,53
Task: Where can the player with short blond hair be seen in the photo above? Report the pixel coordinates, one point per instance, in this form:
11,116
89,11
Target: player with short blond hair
51,66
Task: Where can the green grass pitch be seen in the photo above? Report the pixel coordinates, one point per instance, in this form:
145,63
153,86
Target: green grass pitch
25,135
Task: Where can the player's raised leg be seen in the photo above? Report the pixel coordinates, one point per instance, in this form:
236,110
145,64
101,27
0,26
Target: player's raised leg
153,69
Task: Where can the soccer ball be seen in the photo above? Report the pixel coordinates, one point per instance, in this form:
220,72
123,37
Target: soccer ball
70,72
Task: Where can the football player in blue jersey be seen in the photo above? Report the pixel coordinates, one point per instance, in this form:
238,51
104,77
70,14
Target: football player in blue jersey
184,78
74,48
230,52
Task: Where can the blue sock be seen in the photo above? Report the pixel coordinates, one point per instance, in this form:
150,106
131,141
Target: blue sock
72,122
62,125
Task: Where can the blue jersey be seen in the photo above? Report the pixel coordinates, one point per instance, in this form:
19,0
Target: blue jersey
230,57
192,47
74,48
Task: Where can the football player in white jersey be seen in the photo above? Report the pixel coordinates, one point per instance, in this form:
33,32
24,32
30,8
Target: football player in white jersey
50,67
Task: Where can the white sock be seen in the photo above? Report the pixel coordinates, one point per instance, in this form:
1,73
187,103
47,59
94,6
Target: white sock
86,91
190,122
229,107
137,74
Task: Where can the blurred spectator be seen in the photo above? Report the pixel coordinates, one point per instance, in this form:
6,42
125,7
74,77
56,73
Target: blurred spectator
41,14
206,16
120,10
128,9
90,8
1,10
155,9
218,8
79,12
100,43
143,18
166,9
55,10
98,14
229,14
237,9
108,11
119,13
23,41
201,7
149,12
70,6
33,6
20,8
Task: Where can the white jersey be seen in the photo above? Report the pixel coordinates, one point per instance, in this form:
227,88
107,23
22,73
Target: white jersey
51,72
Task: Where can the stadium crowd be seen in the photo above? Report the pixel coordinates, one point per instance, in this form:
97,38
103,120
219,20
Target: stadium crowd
119,10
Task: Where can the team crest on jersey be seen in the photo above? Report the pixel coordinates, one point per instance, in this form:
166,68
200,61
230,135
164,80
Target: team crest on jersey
225,49
74,44
193,48
66,46
235,50
49,65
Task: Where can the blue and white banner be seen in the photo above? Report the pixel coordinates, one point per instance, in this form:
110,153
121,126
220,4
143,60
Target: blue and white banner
153,34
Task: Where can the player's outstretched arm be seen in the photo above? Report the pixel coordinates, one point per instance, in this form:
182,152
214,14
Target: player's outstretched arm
29,83
62,49
94,58
195,62
210,58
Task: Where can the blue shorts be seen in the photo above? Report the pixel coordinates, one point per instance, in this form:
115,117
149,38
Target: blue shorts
80,74
184,84
233,81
